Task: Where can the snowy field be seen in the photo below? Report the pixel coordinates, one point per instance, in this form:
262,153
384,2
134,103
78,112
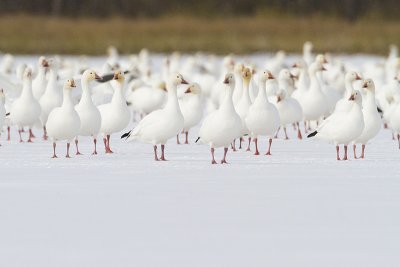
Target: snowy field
298,207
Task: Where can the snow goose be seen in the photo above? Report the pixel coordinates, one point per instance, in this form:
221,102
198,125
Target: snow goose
242,107
303,82
238,92
161,125
191,105
39,83
88,113
115,116
343,127
372,118
349,79
223,125
314,103
51,98
25,110
2,109
308,56
63,122
262,117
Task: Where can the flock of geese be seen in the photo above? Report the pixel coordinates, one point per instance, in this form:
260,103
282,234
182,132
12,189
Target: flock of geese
235,102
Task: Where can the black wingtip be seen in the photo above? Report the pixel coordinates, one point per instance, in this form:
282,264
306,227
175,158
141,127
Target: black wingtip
312,134
128,103
379,109
125,135
198,138
8,114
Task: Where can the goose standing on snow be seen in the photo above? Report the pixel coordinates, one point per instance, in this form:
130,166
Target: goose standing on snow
191,105
2,110
88,113
372,118
262,117
63,122
115,116
242,107
25,110
52,97
343,127
161,125
223,125
39,83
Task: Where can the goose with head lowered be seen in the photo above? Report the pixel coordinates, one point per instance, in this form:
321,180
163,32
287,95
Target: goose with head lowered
115,116
343,127
25,110
161,125
223,125
63,122
263,117
88,113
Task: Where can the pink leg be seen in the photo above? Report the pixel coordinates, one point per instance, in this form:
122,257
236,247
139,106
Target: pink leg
177,139
233,145
54,150
95,146
30,136
45,137
299,131
68,145
277,132
286,136
162,153
355,151
155,153
31,132
248,146
269,147
256,143
108,144
187,137
20,136
398,139
337,152
240,142
8,133
362,151
212,156
224,159
77,149
345,152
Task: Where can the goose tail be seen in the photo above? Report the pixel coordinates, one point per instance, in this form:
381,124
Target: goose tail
312,134
126,135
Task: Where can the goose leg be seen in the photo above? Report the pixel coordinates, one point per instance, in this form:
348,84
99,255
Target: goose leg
345,152
305,126
286,136
224,159
177,139
233,145
45,137
95,146
187,137
362,151
8,133
240,142
54,150
256,143
212,156
108,149
337,152
269,147
30,136
162,153
248,146
20,136
277,132
398,139
155,153
299,131
393,138
355,151
68,145
77,149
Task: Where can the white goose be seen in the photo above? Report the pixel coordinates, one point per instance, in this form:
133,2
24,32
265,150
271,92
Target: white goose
51,98
63,122
343,127
2,110
88,113
223,125
161,125
191,105
349,79
115,116
372,118
263,117
39,83
242,107
25,110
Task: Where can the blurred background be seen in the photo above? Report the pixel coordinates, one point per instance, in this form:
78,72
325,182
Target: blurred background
239,26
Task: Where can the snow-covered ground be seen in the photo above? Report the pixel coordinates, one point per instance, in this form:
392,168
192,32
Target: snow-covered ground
298,207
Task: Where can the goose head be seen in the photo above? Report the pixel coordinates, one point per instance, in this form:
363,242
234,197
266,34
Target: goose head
70,84
280,95
90,75
265,75
43,62
320,58
177,79
193,88
286,75
308,47
369,85
238,68
316,67
27,74
246,74
352,76
229,80
119,76
356,97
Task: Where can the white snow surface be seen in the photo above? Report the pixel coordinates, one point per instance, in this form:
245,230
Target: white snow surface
298,207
